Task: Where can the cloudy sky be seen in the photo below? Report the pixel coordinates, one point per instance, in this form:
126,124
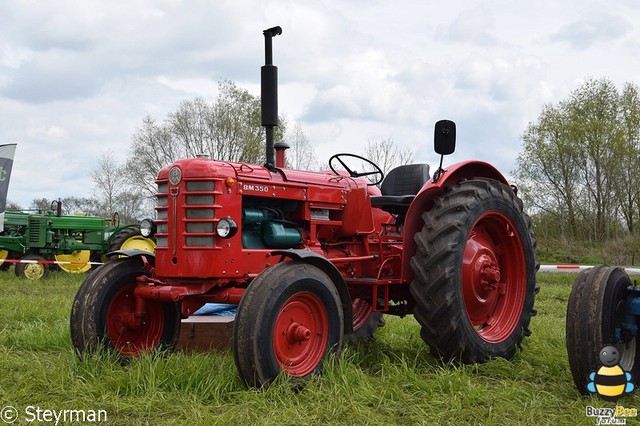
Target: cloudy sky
77,77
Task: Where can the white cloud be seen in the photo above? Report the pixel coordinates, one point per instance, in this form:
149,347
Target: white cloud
599,29
76,78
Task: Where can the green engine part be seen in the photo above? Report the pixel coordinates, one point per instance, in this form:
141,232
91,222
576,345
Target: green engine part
276,235
260,232
37,231
252,216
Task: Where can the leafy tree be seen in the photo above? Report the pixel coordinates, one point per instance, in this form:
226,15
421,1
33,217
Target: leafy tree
579,162
628,190
229,129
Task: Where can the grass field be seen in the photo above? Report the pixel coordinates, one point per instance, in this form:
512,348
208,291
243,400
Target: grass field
393,380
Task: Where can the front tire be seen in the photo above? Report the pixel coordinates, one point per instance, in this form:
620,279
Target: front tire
103,311
595,313
34,269
288,321
474,267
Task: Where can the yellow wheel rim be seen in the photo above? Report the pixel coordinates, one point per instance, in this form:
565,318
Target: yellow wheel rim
3,256
138,242
34,271
76,256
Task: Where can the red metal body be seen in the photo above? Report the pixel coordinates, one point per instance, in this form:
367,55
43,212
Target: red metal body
314,259
333,214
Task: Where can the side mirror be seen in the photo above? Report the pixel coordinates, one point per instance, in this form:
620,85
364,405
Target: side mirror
444,137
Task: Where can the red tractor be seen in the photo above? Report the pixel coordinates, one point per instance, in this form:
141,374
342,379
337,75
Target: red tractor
313,258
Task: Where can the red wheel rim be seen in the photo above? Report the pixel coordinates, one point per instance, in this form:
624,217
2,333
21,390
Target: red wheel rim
128,334
494,277
300,334
361,312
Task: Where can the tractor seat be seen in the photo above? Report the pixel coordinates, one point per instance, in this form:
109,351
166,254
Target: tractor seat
400,187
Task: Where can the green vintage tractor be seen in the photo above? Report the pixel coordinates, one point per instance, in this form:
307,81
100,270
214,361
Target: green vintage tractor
40,242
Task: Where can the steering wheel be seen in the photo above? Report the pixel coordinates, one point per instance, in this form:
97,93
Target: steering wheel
377,171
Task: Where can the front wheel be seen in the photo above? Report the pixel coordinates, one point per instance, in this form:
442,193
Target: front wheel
595,316
104,313
475,273
288,321
32,267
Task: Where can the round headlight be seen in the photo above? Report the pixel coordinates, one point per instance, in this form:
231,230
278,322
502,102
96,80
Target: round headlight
147,228
226,227
175,175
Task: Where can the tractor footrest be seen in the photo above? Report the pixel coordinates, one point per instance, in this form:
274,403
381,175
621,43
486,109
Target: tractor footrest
206,332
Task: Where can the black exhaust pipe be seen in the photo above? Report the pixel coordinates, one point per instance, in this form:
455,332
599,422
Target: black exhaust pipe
269,93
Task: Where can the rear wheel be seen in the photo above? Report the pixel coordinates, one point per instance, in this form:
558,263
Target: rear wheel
32,267
475,267
131,239
103,313
365,322
288,321
595,314
4,255
76,262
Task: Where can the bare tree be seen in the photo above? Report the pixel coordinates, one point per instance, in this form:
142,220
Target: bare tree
107,178
386,154
113,194
300,155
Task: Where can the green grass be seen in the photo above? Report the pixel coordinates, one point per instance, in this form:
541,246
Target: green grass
393,380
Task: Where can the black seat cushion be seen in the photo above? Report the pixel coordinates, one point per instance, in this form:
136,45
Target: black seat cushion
400,187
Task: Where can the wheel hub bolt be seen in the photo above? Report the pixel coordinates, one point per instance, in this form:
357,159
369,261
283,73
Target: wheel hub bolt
297,333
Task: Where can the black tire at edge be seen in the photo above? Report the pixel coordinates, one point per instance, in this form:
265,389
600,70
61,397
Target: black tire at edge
591,321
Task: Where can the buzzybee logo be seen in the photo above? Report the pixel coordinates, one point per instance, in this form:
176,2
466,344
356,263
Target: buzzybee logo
610,382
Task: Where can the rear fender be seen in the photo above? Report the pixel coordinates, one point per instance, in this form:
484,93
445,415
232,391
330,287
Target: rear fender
424,201
329,268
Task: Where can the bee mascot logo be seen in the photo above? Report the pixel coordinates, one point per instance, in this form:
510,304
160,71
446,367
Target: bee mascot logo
610,382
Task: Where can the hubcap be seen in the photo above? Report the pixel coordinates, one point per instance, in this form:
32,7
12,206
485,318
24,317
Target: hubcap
300,334
82,258
494,277
34,271
138,242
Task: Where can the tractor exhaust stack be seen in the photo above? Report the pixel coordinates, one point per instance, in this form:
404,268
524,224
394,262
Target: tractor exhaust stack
269,93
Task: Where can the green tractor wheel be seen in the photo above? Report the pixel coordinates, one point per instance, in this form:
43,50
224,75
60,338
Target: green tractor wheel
33,270
79,259
131,239
4,254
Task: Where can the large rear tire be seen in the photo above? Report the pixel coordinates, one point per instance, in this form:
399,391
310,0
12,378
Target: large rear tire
103,313
131,239
79,261
288,321
4,255
595,313
475,273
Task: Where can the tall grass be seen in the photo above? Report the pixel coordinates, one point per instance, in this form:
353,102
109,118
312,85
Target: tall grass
393,380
